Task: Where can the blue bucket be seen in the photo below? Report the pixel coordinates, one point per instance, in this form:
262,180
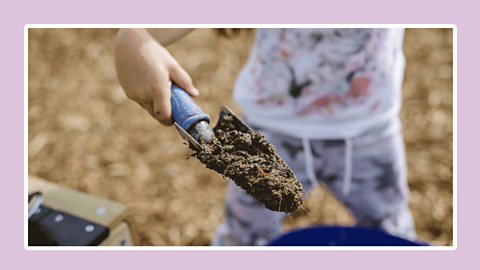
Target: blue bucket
340,236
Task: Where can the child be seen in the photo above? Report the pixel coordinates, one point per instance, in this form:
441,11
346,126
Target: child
328,99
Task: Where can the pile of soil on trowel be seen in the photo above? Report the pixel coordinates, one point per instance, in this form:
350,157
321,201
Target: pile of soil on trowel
252,163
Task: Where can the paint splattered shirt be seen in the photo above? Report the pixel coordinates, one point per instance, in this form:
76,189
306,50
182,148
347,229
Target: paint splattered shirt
317,80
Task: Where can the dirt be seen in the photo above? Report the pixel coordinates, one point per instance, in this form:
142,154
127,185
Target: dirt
253,164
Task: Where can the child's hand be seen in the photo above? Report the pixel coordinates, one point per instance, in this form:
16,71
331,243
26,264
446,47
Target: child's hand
145,70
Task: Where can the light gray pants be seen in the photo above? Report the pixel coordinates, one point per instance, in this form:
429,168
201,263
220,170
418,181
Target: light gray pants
378,194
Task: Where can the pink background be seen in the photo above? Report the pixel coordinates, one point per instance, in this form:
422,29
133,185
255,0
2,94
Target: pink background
15,15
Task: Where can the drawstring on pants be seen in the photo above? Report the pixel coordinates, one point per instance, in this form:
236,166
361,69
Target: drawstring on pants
347,180
309,161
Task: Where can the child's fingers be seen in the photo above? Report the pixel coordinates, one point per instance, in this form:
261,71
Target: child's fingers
148,105
162,108
181,77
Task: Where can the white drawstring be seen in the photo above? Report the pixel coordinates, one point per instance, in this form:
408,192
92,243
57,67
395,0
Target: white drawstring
307,149
347,180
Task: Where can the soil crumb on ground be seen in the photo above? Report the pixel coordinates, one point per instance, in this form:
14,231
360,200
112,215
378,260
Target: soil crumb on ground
253,164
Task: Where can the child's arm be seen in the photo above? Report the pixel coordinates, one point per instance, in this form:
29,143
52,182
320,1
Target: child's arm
145,69
167,36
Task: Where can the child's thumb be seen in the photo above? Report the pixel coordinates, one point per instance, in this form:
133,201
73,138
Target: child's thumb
182,79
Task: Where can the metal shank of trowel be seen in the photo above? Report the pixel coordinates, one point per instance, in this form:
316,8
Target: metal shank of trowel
190,121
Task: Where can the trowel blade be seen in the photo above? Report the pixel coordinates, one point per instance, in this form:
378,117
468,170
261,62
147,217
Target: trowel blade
226,111
187,136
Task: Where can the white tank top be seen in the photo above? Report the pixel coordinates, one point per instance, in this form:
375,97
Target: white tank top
322,83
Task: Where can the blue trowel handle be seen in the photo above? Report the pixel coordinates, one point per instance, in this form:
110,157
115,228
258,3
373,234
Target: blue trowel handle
184,110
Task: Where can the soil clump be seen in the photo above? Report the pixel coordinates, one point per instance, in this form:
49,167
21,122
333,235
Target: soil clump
253,164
